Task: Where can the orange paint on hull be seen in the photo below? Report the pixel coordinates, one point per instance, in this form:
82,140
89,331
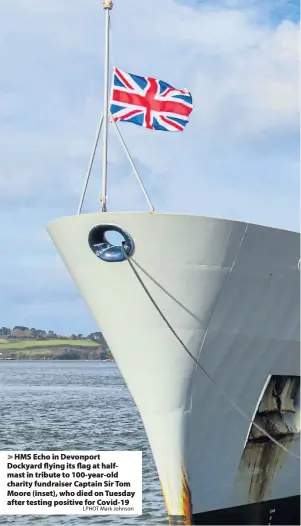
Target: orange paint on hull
186,511
186,501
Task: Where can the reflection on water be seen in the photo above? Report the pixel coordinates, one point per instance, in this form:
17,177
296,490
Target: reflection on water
56,405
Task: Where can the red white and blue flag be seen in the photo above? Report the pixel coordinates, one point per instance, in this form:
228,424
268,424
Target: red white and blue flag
149,102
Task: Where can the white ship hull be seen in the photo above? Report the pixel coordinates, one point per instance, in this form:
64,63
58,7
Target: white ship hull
231,293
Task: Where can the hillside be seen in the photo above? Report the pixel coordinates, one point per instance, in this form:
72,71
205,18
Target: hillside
22,343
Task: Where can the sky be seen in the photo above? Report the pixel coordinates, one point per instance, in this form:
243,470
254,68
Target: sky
238,157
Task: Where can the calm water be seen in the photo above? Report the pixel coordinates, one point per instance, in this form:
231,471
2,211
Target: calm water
74,405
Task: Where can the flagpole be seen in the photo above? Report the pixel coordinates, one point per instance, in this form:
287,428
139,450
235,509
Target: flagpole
107,5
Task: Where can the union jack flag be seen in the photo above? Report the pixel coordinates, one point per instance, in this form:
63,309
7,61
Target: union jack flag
149,102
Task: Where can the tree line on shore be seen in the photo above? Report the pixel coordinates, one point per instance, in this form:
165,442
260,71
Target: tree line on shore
25,333
53,346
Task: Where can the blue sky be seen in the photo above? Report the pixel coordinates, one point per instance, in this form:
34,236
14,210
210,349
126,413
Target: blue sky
238,157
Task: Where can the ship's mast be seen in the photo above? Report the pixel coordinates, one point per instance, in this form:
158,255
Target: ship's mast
107,5
104,122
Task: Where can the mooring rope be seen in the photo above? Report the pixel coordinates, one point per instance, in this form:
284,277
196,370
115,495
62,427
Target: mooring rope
219,388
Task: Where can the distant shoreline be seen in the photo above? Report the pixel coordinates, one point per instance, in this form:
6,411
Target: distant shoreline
56,360
53,349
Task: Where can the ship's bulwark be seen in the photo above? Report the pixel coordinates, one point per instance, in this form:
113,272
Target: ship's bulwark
231,293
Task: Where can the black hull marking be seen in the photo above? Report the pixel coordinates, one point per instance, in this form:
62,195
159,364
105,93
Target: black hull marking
279,511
